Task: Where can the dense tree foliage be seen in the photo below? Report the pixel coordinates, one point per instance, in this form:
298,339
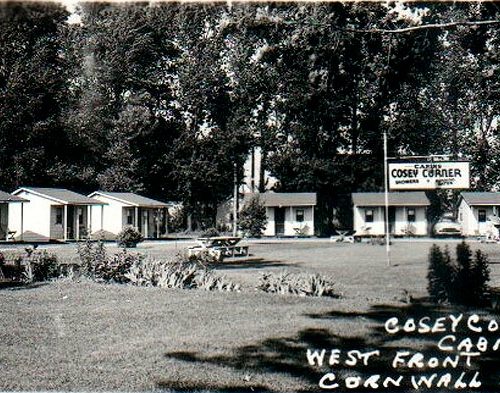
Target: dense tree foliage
166,98
32,89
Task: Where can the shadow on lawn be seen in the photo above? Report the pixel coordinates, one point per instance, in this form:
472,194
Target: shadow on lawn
19,285
249,263
287,355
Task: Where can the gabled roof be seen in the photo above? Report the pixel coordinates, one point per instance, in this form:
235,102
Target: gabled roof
277,199
411,198
60,195
129,198
5,197
481,198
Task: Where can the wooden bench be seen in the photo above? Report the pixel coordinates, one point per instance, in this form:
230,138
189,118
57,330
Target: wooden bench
233,251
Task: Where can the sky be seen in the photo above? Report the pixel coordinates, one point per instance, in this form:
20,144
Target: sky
70,5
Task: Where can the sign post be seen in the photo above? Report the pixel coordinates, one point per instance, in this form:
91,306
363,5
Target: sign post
420,173
386,197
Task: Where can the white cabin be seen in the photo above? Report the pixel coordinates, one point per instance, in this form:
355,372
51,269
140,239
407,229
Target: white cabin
120,209
288,213
51,214
407,213
475,213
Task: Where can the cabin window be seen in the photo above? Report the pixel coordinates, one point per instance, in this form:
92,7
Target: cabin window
59,215
299,215
482,215
369,215
411,215
130,219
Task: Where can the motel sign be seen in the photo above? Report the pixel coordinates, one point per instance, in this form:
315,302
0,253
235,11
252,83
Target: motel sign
429,175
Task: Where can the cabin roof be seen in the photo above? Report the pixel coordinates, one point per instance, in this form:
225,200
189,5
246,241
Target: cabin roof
131,199
60,195
411,198
481,198
277,199
5,197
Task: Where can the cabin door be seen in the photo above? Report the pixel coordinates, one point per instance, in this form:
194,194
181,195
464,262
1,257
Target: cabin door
145,223
392,219
279,221
70,222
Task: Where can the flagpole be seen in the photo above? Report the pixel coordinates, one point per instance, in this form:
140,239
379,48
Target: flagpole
386,197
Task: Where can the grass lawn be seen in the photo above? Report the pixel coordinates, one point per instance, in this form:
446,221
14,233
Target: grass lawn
68,335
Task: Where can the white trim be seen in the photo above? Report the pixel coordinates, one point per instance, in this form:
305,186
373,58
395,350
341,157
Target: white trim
129,204
291,205
65,222
40,195
125,202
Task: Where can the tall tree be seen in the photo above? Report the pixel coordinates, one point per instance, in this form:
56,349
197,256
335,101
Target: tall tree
32,89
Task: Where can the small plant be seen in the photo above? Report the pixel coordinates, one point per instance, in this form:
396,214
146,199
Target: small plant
34,266
91,254
177,274
303,231
116,267
206,258
45,266
98,265
252,218
296,284
129,237
28,276
210,232
410,230
209,281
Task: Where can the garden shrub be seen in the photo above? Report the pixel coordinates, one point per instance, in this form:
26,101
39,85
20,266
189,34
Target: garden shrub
438,275
205,258
91,254
302,231
98,265
471,277
464,281
44,265
210,232
129,237
252,218
480,278
297,284
31,266
177,274
116,267
125,267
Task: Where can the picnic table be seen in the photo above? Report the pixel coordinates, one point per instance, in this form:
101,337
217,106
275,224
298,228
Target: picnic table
219,247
